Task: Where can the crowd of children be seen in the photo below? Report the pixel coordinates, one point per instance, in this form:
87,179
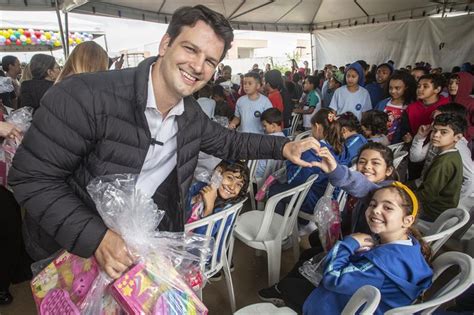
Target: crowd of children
430,114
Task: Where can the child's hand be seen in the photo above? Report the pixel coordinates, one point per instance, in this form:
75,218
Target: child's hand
423,131
365,241
209,195
232,125
407,138
328,163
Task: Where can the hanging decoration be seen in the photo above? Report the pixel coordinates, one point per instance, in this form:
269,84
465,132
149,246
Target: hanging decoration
30,37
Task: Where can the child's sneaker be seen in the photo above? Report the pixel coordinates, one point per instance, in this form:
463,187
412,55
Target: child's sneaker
272,295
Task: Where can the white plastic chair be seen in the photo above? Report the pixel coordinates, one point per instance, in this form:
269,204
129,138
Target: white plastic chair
457,285
265,230
295,119
398,158
304,134
252,165
438,232
368,295
264,309
223,243
270,167
396,147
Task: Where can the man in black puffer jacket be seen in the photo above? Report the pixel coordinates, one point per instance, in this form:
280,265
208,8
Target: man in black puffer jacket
139,120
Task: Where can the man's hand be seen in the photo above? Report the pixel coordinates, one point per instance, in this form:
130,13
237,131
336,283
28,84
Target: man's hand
292,151
328,163
113,255
10,131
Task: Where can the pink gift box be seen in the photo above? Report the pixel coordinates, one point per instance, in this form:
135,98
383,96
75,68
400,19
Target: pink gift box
142,291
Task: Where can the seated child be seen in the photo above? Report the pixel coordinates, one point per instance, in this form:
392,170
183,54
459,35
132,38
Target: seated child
352,97
402,89
353,140
208,105
459,88
222,108
325,128
395,260
272,124
426,153
374,126
420,112
441,184
312,101
250,107
205,199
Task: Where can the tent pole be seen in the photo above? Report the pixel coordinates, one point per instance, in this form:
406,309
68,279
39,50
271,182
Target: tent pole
66,26
61,29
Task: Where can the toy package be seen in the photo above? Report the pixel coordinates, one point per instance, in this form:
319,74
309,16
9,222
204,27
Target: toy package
170,264
64,284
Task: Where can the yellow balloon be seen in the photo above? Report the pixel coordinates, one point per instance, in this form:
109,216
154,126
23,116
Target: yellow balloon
28,40
10,30
70,41
78,41
57,43
21,31
48,35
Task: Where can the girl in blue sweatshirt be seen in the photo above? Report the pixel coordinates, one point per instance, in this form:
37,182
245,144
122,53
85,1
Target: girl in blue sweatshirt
326,130
351,133
395,261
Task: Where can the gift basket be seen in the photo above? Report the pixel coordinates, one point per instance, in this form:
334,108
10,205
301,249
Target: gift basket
21,119
167,269
328,220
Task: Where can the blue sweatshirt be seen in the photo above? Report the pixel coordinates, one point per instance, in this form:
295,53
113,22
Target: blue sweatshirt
399,271
297,175
352,146
382,104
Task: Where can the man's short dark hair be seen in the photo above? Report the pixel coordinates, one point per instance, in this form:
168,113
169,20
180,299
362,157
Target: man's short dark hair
254,75
8,61
457,123
218,90
436,79
453,108
272,116
227,67
189,16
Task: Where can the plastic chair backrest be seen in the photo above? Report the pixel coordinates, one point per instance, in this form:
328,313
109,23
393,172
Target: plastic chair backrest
444,226
398,158
297,194
368,295
457,285
304,134
396,147
220,226
295,118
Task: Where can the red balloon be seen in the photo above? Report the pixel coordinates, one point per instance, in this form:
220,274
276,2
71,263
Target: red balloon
8,42
38,34
18,42
27,34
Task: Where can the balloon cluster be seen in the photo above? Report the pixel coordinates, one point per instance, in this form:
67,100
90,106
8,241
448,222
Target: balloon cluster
23,37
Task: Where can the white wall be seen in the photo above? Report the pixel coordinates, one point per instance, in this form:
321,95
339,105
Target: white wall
404,42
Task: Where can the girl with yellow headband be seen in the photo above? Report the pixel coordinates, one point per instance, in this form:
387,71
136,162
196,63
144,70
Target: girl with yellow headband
397,266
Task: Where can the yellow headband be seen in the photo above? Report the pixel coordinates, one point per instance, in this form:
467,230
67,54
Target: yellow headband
410,193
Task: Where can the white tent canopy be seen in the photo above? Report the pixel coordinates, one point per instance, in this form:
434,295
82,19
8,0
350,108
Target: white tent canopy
259,15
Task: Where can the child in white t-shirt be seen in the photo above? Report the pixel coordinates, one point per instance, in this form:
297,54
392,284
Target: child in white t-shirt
249,108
